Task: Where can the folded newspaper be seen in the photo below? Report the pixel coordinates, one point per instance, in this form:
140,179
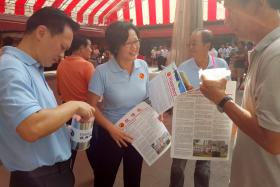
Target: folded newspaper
150,137
165,87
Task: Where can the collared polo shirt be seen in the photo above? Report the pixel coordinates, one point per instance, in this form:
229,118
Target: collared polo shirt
120,90
191,69
24,91
252,166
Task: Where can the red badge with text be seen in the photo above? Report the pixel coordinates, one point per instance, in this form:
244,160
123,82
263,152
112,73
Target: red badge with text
141,76
121,125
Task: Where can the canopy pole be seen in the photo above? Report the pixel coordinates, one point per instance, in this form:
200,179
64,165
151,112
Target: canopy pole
188,17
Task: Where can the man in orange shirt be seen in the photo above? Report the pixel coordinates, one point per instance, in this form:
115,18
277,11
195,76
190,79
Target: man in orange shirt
74,73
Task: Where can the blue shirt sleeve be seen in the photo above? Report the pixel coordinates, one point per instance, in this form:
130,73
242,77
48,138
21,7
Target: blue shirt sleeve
222,63
96,83
17,100
148,79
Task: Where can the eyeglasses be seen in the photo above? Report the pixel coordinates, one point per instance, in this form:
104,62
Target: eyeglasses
130,44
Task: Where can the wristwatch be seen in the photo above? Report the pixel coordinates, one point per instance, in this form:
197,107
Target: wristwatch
221,104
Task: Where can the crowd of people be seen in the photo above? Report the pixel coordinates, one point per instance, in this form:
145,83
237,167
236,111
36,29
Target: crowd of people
34,141
159,56
237,59
99,55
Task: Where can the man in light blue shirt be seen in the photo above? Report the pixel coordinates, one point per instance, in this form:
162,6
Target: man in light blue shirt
200,44
34,142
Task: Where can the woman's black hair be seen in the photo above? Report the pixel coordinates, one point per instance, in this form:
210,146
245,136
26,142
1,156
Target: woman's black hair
117,34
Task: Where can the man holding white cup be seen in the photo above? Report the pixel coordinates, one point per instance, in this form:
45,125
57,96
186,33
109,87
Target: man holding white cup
256,155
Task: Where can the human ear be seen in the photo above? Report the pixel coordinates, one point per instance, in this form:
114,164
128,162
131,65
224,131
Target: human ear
41,32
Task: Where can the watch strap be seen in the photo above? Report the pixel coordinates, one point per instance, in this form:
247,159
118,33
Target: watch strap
224,101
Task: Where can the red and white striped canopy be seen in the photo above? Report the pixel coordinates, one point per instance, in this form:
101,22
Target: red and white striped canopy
102,12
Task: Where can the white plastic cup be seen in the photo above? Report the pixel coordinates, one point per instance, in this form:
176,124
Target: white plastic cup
80,134
215,74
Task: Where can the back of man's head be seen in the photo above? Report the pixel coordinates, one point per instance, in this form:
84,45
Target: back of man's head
77,43
275,4
206,35
52,18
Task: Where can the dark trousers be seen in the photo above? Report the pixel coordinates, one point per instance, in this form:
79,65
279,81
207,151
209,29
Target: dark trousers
105,157
74,153
161,62
201,174
58,175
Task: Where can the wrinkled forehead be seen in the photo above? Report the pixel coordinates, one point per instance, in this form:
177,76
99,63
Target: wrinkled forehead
196,36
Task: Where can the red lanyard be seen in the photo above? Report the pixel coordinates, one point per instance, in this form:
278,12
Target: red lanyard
213,61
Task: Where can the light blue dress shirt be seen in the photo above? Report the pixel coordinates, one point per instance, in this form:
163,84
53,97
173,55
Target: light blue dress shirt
120,91
24,91
191,69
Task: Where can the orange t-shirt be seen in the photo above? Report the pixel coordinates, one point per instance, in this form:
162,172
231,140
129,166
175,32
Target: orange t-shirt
73,76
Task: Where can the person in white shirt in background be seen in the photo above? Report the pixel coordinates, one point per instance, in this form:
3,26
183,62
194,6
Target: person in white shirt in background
222,51
213,52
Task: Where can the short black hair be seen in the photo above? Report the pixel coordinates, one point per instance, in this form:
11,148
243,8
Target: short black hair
206,35
54,19
275,4
78,41
8,41
116,35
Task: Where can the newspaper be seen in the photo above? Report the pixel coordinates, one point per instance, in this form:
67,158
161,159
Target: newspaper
150,137
199,130
164,87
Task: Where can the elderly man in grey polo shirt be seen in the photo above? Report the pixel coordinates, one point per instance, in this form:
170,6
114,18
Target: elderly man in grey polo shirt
256,159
